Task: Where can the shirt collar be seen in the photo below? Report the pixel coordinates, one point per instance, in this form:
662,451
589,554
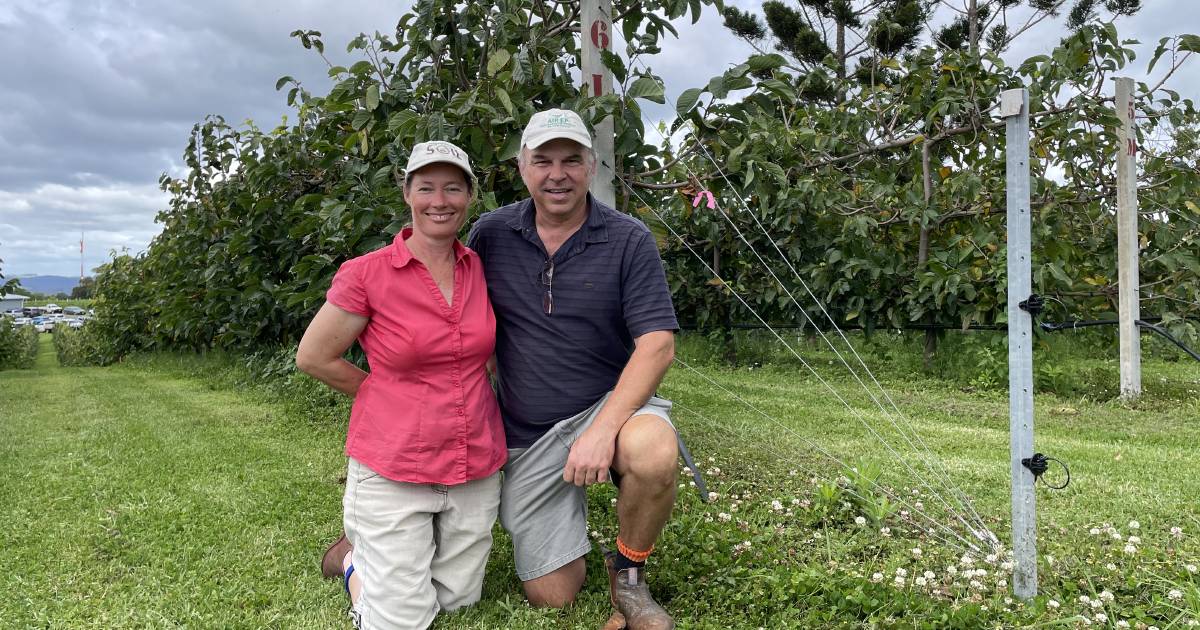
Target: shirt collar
595,228
402,255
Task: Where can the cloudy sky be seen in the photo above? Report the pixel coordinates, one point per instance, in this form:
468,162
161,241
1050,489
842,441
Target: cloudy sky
97,99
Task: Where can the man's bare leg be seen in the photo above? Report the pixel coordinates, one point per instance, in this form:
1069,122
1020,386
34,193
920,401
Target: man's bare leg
646,461
557,588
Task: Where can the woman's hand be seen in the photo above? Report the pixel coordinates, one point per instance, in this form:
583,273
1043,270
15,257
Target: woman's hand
325,340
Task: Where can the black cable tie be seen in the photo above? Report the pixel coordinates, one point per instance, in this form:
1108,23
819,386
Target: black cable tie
1034,305
1039,463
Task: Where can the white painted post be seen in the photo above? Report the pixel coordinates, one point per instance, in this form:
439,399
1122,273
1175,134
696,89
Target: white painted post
597,31
1014,106
1128,292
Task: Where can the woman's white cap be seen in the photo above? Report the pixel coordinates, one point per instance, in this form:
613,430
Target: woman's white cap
434,151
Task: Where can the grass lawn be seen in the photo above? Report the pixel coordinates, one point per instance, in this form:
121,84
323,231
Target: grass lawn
165,492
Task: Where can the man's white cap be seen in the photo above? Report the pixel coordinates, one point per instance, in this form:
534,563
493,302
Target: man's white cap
553,124
435,151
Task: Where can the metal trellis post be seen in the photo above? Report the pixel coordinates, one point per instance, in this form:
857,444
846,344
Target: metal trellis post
1014,107
1128,309
597,36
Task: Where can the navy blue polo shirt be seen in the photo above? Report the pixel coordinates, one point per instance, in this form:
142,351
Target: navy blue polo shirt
609,288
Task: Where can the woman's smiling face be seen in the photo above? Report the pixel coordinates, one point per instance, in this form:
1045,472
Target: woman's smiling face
438,195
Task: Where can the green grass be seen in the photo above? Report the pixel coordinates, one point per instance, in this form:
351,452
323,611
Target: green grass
168,491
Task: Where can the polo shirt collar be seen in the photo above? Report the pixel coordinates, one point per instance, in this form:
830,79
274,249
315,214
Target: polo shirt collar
595,228
401,255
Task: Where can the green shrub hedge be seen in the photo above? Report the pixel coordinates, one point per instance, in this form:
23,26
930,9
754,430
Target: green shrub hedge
18,346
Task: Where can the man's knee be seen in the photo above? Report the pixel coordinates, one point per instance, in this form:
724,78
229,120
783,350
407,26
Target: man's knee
647,449
558,588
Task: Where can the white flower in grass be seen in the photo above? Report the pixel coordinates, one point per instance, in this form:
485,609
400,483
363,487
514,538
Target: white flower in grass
1191,568
1174,595
886,532
1096,604
929,575
1008,566
898,580
1002,583
1095,531
952,570
1084,599
1177,532
901,572
805,503
966,560
724,518
777,506
920,580
860,521
1008,601
1152,628
977,585
1134,525
1110,566
712,496
877,577
1122,624
916,552
795,501
1192,623
1101,617
919,505
1052,604
1106,595
1049,560
1134,540
1130,550
990,558
1084,620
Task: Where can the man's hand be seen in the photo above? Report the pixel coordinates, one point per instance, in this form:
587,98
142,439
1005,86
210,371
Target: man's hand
591,456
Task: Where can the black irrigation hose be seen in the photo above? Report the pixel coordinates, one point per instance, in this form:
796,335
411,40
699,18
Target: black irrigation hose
1055,327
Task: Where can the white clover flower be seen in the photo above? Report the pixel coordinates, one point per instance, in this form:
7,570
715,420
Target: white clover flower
795,501
1174,595
1152,628
929,575
1095,531
1130,550
1122,624
1052,604
1096,604
886,532
1192,623
712,496
1177,532
898,580
1002,583
1049,560
921,581
1008,566
1134,525
1134,540
777,506
990,558
1191,568
805,503
977,585
860,521
916,552
1101,617
1106,595
952,570
1084,620
877,577
919,505
901,572
1116,535
817,536
1084,599
966,560
724,517
1110,566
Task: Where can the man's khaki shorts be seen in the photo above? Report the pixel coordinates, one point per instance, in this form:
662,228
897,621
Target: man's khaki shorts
546,516
418,548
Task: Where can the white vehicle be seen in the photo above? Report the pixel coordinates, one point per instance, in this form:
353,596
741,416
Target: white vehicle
53,308
16,312
22,321
75,323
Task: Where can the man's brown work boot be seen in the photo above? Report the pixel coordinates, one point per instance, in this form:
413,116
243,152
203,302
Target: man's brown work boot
631,597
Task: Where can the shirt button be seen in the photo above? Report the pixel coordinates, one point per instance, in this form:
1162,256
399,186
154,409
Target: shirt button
460,412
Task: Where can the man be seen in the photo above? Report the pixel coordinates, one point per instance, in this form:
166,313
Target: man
585,335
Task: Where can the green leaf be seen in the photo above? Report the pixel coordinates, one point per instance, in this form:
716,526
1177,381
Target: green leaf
1190,43
402,123
511,146
717,86
505,100
759,63
497,61
282,82
687,101
649,88
361,118
373,97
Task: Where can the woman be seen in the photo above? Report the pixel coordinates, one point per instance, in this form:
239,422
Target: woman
425,442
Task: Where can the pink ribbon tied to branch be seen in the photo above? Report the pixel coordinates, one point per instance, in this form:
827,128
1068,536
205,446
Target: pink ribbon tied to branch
712,204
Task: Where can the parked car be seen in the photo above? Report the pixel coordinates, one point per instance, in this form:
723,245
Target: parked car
22,321
73,311
42,324
53,308
15,312
75,323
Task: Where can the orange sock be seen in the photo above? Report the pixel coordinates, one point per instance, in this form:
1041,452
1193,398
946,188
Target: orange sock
631,557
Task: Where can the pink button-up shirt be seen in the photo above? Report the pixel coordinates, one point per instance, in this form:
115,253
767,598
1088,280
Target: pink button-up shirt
426,413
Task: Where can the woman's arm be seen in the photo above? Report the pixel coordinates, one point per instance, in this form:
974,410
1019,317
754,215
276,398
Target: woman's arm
325,340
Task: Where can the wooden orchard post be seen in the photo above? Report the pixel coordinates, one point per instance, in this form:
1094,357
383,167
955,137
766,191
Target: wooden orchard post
1014,107
1128,293
597,35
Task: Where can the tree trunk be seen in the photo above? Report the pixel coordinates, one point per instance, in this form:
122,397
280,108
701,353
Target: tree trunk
841,50
973,25
923,249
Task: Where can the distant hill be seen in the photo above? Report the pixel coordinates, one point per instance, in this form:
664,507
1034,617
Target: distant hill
48,284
